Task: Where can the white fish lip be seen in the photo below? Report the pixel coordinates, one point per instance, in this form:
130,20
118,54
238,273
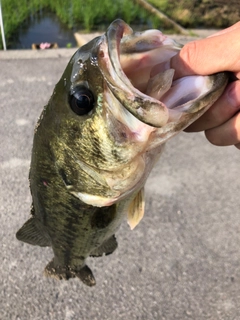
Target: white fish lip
146,109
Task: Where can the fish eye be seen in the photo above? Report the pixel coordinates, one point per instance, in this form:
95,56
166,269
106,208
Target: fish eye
81,100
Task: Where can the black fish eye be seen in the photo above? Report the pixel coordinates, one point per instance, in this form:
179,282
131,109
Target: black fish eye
81,100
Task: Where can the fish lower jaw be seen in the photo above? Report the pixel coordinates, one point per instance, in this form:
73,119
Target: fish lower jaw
124,126
121,183
102,201
118,193
94,200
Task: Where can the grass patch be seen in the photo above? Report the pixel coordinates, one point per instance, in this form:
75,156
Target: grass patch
97,14
82,14
15,12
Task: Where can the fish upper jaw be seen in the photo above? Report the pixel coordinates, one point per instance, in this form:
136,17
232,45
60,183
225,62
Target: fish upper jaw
130,64
143,107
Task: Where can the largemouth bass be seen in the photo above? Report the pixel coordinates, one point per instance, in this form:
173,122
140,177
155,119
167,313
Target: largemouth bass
98,138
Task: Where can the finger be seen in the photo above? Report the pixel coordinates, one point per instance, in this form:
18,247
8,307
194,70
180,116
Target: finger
221,111
233,27
208,56
227,134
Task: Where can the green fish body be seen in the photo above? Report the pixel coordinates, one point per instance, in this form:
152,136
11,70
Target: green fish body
98,138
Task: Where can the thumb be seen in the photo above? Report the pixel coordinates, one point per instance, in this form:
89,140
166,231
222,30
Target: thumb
207,56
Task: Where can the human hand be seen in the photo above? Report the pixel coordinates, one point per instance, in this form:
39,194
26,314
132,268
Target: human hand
219,52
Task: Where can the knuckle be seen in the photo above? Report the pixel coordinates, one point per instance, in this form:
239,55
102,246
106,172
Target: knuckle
189,53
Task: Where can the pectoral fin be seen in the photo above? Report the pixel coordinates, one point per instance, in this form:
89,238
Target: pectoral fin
30,233
136,209
107,247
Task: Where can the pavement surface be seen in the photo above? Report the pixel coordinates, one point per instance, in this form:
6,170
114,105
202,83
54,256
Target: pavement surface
181,262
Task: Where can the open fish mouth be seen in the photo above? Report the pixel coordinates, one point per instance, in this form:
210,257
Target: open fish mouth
132,64
139,107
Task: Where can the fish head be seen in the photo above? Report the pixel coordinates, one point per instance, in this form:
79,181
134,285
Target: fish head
112,111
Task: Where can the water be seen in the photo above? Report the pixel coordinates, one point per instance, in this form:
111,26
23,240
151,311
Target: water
42,27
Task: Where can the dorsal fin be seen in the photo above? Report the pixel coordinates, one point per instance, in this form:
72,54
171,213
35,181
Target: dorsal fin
136,209
106,247
30,233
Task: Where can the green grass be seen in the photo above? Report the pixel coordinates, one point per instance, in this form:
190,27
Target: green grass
97,14
90,13
16,11
87,14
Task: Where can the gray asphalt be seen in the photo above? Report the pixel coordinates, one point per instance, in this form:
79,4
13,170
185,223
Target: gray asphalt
181,262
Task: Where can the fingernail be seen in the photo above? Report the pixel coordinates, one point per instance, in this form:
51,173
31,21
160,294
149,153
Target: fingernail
161,67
